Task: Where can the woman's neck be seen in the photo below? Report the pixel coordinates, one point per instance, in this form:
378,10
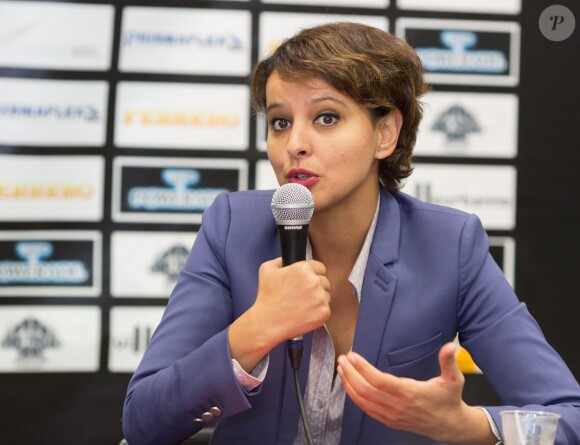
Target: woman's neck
338,235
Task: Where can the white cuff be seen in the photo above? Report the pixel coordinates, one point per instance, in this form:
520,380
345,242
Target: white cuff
255,377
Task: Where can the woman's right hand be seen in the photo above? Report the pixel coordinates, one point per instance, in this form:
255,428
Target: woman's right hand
291,301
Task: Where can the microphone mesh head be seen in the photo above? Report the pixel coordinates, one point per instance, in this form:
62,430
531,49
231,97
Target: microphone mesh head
292,203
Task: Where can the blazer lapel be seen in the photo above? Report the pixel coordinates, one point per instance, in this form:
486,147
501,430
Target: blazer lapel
376,299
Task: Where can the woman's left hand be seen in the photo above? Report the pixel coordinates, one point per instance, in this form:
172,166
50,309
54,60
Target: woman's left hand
432,408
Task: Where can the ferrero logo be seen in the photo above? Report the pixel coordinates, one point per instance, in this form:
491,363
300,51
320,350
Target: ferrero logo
46,191
181,118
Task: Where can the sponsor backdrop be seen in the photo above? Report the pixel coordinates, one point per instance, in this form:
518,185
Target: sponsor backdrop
120,121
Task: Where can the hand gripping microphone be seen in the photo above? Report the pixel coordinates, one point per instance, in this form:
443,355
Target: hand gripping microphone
292,207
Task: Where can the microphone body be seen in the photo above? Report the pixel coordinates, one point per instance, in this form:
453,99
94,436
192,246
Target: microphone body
293,243
292,208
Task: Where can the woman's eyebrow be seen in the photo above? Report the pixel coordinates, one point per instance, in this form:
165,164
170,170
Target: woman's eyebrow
325,98
275,105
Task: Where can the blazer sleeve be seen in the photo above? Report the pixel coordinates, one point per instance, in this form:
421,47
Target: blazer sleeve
187,368
508,344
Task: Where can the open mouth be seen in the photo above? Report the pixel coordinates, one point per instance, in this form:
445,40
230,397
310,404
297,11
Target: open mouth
305,178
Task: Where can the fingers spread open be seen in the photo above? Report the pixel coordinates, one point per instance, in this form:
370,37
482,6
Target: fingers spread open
369,406
364,380
382,381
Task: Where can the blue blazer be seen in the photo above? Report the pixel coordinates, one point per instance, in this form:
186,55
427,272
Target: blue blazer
429,276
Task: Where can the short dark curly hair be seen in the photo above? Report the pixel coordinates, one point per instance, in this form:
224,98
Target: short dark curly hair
375,68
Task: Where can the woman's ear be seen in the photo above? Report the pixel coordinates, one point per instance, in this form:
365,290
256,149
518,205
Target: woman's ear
389,127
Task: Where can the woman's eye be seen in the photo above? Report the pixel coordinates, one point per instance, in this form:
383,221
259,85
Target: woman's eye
327,119
279,124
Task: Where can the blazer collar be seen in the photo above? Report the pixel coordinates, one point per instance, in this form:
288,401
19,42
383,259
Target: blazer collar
385,245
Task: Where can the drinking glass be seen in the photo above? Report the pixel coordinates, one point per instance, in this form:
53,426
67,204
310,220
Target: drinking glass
520,427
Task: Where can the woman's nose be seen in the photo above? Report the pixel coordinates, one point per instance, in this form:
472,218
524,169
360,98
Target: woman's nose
299,143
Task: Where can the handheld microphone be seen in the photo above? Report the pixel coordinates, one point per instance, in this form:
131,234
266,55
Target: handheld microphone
292,207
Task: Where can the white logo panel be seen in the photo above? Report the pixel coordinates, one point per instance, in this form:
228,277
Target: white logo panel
356,3
49,35
469,125
53,112
261,133
147,264
185,41
265,176
130,334
276,26
51,188
50,338
489,6
182,116
488,191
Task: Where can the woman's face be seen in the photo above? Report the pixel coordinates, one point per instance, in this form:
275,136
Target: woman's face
324,140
